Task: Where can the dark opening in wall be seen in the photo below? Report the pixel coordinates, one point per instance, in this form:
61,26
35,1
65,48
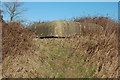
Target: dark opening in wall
51,37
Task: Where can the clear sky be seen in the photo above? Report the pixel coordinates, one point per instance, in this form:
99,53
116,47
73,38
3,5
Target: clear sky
49,11
61,0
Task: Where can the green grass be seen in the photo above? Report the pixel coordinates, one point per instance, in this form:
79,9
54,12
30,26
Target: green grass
57,64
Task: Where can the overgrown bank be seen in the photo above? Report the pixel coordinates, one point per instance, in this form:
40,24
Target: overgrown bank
88,56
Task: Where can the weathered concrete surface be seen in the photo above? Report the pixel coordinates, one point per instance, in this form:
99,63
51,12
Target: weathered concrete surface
64,28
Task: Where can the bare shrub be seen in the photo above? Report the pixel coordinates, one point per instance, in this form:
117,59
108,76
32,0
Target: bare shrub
15,38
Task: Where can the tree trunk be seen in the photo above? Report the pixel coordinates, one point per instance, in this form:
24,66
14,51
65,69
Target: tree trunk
11,18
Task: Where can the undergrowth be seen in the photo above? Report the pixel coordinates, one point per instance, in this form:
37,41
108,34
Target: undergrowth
81,56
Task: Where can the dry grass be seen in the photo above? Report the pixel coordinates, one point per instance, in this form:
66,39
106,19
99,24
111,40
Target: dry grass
109,25
57,63
15,39
81,56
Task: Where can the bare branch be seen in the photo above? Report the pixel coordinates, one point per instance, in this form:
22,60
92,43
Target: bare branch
14,9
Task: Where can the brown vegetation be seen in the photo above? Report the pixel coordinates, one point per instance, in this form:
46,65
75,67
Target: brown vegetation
105,51
109,25
85,56
15,39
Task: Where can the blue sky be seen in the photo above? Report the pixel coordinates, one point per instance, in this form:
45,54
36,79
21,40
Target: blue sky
49,11
61,0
